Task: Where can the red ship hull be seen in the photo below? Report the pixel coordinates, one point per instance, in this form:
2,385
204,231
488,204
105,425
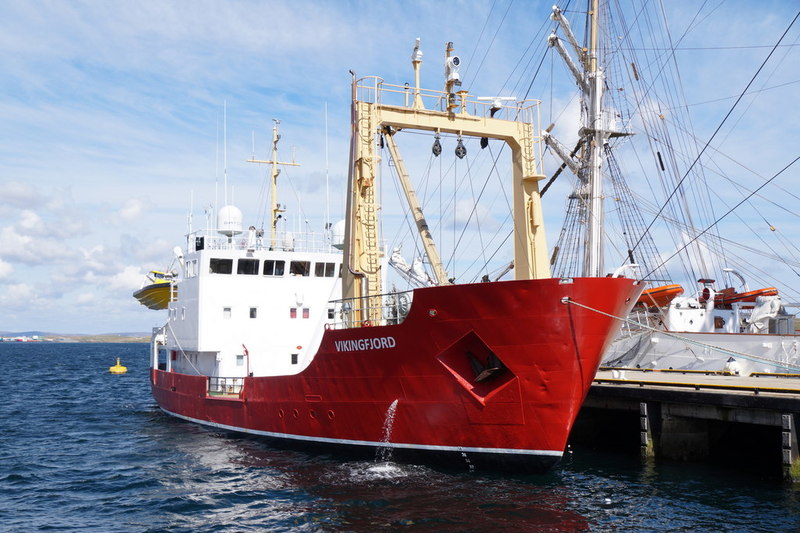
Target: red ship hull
520,412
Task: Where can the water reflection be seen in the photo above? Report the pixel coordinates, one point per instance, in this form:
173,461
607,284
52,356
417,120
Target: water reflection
216,481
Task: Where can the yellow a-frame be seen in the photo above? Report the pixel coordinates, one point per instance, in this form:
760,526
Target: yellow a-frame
462,116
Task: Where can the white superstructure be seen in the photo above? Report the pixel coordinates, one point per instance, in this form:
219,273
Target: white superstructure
244,308
249,304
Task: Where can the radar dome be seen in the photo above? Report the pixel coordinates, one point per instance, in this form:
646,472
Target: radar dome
337,235
229,221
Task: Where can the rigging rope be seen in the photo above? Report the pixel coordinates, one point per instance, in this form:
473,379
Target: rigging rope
752,80
730,210
183,353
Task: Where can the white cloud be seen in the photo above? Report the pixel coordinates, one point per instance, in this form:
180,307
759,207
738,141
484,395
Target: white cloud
33,251
127,280
21,195
18,294
14,245
5,269
132,210
30,223
85,298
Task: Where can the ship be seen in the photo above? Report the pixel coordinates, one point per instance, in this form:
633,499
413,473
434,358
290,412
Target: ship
299,338
628,96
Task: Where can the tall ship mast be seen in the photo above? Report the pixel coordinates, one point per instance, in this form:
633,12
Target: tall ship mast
730,327
594,135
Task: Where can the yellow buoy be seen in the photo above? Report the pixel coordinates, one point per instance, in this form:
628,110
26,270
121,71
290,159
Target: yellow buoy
118,368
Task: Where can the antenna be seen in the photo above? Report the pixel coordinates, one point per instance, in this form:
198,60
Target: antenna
216,173
191,209
327,193
276,207
225,147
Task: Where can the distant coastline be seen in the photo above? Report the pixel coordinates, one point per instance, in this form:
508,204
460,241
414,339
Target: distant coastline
38,336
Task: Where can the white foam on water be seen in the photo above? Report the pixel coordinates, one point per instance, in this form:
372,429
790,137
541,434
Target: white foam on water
384,453
386,468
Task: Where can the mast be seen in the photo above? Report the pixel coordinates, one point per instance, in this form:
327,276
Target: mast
593,261
276,209
593,135
361,272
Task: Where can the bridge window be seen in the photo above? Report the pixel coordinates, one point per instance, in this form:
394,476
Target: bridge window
305,312
226,312
247,266
220,266
253,312
300,268
274,268
324,270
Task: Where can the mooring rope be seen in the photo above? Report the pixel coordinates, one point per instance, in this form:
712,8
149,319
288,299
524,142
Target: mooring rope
751,357
181,349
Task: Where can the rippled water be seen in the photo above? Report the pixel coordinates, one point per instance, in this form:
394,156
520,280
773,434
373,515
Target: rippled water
85,450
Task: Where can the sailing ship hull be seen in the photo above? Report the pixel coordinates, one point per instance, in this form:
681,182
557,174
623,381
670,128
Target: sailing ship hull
737,353
493,372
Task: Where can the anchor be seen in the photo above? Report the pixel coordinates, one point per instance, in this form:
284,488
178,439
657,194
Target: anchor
492,368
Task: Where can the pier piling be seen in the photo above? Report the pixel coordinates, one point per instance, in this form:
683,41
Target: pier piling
789,447
694,417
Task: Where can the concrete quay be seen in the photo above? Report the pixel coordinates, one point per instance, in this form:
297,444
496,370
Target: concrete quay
696,416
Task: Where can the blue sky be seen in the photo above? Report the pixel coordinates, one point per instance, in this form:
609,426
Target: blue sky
112,111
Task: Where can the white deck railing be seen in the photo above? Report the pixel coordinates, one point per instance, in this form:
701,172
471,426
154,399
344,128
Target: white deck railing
356,312
254,240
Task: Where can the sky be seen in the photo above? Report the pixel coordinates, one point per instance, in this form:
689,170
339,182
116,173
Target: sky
112,120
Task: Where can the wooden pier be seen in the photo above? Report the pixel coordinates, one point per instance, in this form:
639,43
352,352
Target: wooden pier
692,416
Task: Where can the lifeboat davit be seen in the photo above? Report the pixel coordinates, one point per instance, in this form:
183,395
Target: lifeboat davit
659,296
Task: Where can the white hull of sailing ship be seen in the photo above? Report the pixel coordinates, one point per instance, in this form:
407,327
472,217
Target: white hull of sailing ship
692,334
737,353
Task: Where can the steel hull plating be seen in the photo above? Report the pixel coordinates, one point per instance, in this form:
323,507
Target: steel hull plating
548,352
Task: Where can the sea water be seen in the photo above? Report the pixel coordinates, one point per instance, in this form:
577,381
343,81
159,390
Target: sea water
84,450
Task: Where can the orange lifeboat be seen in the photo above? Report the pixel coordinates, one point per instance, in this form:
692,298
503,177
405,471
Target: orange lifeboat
728,298
659,296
